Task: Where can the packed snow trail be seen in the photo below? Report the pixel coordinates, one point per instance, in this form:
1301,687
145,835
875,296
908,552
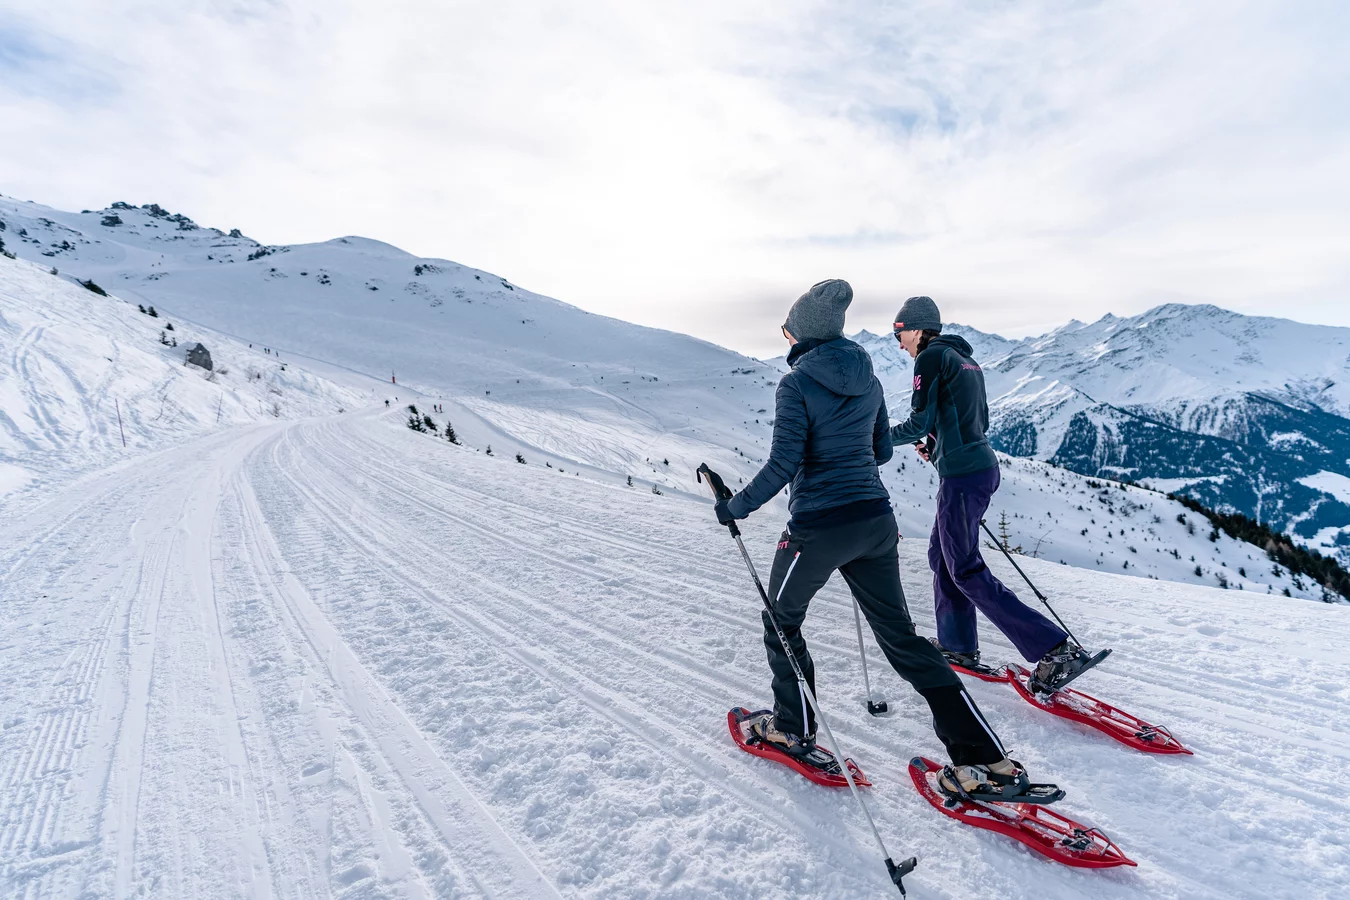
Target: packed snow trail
338,658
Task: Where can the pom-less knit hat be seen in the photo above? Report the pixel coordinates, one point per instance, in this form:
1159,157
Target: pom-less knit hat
918,313
819,313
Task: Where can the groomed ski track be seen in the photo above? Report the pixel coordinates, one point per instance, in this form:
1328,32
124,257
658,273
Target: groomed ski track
337,658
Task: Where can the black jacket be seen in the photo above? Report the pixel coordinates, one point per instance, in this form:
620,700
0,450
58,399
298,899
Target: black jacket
949,403
830,431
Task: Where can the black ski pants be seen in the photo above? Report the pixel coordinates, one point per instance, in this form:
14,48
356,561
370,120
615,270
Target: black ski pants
866,554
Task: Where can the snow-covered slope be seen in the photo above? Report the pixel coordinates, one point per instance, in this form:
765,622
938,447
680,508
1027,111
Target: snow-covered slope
334,658
586,388
1236,410
522,373
1054,514
88,380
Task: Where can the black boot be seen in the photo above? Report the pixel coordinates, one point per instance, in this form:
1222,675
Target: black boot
964,660
1062,664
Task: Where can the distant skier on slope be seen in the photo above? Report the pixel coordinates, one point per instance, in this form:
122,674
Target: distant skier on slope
830,432
949,415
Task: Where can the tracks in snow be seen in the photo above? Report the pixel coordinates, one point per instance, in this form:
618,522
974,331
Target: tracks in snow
334,658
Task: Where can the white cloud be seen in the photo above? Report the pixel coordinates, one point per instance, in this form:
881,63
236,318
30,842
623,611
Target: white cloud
697,165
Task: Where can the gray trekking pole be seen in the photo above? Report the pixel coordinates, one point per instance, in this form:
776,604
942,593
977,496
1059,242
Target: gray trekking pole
896,872
877,707
1034,589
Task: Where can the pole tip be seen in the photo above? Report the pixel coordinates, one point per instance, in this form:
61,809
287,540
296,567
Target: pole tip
899,872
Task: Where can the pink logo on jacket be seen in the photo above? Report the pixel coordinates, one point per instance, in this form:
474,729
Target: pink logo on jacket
918,382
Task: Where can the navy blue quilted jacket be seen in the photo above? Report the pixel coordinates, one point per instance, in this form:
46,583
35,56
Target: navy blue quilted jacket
830,432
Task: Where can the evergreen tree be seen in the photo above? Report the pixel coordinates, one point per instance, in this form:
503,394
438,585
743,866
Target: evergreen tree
1280,548
1003,537
450,433
431,425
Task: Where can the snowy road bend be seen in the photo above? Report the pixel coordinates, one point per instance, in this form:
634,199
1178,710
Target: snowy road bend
337,658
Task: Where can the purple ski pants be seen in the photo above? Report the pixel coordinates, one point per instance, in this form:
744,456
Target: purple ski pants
962,583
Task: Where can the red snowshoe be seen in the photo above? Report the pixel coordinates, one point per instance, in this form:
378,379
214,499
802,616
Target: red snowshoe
820,767
1067,703
1039,827
1076,706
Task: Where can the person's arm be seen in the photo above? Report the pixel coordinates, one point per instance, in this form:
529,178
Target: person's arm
785,455
923,402
882,446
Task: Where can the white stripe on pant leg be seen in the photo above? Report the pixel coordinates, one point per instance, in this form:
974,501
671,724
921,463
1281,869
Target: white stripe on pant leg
806,722
783,586
989,731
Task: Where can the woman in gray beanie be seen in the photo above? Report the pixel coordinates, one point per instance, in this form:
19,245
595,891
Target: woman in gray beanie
948,418
830,431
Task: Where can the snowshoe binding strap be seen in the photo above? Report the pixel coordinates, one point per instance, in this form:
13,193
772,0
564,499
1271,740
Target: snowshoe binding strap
803,750
996,788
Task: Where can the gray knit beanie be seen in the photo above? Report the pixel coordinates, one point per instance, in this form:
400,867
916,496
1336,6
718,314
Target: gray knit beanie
918,313
819,313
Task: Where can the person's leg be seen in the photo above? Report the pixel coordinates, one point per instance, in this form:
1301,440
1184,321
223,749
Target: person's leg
1030,632
874,579
801,567
954,612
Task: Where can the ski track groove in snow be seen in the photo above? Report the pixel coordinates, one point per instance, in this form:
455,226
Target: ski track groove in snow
272,661
600,699
514,538
503,869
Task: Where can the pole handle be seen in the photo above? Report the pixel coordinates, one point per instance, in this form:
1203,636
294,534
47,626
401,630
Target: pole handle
720,491
714,481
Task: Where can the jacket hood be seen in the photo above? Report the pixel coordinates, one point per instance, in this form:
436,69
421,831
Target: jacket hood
955,341
838,365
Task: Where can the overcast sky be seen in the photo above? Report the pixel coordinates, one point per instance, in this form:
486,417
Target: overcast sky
695,166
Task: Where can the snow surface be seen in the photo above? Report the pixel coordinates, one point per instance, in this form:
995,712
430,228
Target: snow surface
1333,483
281,646
523,373
529,366
333,657
83,373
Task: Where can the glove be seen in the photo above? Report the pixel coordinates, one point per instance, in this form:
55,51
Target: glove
724,516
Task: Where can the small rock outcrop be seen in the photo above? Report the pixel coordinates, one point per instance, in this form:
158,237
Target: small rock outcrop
198,355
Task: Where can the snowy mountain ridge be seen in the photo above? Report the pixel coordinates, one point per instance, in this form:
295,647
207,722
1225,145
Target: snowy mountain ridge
593,390
1243,412
520,373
